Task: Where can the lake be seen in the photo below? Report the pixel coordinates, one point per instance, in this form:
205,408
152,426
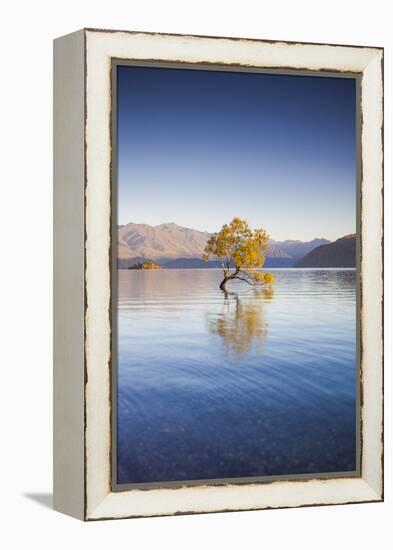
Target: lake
248,383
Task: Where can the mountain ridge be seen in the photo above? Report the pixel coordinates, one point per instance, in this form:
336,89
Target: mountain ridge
168,242
340,253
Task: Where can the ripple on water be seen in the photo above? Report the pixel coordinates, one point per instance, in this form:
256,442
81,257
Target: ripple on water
246,384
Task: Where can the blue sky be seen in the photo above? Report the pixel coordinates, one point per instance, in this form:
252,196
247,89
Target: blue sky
200,147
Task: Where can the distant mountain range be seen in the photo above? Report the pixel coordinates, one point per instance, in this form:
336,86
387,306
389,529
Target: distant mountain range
164,241
174,246
340,253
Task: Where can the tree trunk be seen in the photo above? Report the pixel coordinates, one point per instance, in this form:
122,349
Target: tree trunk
223,283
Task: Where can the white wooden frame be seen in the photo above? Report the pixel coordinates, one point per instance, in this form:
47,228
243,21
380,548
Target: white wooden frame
82,433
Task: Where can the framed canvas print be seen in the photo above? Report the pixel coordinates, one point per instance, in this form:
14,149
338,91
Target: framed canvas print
218,274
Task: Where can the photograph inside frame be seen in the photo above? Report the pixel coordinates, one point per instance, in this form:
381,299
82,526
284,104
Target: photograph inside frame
235,325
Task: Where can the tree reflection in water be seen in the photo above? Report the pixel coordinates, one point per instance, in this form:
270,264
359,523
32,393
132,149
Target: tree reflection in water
242,321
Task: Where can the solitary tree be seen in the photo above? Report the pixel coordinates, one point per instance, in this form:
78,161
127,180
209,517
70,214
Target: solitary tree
241,251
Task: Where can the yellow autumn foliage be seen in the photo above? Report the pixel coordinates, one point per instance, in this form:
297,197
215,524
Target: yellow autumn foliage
240,248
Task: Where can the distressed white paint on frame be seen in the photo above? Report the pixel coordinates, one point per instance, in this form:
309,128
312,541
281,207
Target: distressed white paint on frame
101,46
372,273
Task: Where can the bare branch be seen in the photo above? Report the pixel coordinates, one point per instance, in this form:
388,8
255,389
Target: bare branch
245,280
246,274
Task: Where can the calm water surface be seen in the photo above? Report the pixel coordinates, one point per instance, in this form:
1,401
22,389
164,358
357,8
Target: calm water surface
250,383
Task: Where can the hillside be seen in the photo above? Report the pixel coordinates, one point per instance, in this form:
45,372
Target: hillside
298,249
340,253
174,246
166,240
